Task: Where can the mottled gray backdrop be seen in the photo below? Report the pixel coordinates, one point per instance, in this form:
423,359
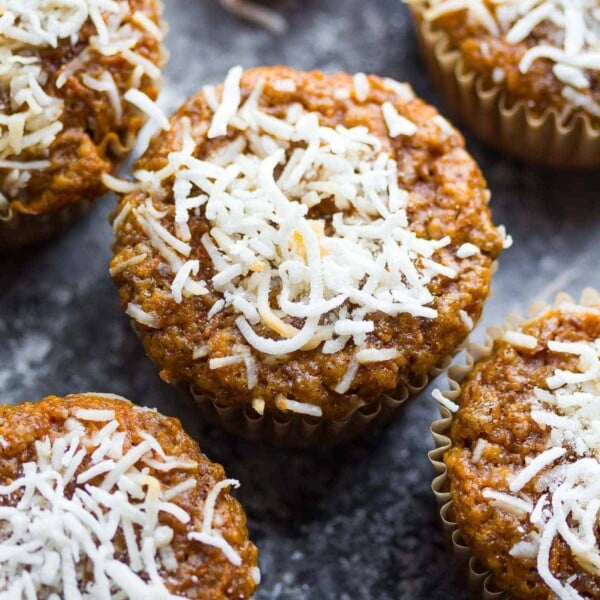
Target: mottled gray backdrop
358,521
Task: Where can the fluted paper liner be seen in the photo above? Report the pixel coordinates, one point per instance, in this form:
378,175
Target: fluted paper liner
19,229
479,580
289,429
511,127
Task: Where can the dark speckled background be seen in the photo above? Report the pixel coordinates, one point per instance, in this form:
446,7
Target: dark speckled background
351,523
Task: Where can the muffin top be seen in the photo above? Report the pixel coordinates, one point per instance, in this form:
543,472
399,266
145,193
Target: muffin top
103,499
524,464
544,52
76,79
304,242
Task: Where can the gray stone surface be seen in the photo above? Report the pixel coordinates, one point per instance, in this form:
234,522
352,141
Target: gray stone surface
354,522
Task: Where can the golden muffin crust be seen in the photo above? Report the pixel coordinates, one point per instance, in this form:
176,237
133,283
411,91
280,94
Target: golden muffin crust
448,197
494,436
203,571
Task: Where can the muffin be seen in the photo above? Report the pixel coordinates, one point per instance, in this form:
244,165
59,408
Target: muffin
78,80
104,499
524,75
519,478
302,249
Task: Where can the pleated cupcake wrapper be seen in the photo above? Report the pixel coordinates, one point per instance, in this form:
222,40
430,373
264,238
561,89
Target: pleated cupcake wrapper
293,430
284,428
20,229
513,128
480,581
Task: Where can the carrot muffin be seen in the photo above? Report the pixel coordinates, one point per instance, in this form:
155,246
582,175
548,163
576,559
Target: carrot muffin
523,465
543,54
77,80
103,499
304,243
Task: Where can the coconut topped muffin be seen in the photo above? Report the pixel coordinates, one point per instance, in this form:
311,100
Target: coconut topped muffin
78,78
545,52
303,242
103,499
524,466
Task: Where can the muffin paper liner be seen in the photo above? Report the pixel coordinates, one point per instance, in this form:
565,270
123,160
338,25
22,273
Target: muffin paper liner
480,581
19,229
294,430
281,428
511,127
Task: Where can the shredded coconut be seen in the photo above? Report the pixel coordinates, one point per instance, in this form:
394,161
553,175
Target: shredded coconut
141,316
466,319
480,446
361,87
443,401
467,250
520,340
396,123
301,408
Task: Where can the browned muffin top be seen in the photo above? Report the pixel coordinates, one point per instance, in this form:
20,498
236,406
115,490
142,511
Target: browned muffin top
544,52
77,79
305,242
105,498
523,465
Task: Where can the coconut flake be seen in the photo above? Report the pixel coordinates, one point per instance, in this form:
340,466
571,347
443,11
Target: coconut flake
540,462
466,319
256,13
84,414
229,105
147,106
467,250
373,355
396,123
520,340
301,408
361,87
445,402
508,503
141,316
